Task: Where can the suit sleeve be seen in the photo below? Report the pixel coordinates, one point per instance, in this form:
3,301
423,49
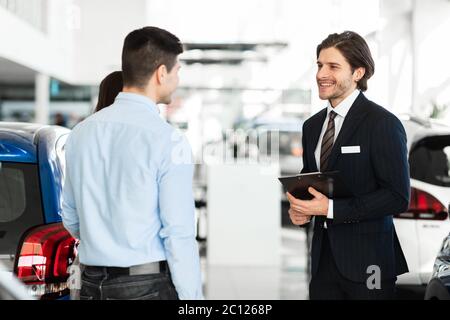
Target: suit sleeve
389,161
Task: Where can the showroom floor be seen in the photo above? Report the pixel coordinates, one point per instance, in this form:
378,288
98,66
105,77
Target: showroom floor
287,282
273,283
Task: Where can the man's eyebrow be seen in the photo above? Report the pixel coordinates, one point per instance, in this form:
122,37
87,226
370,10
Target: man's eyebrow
334,64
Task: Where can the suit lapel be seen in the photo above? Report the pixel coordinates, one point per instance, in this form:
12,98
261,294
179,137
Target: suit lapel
316,129
353,119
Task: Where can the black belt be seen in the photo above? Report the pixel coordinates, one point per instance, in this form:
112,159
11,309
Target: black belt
143,269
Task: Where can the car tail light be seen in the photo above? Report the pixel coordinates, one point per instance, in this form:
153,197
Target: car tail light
44,256
424,206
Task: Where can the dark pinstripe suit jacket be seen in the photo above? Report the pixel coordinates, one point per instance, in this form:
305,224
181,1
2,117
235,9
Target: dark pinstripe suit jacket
362,232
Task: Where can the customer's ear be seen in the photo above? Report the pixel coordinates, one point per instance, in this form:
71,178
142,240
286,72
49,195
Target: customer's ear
161,74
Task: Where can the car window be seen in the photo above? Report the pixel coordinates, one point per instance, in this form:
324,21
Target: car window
290,143
12,194
430,160
20,203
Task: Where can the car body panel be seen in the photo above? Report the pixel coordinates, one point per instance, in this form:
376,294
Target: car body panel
420,239
33,143
431,232
41,146
408,236
439,286
17,143
51,172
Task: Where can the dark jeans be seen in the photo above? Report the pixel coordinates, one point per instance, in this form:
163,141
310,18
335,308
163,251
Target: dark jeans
329,284
97,284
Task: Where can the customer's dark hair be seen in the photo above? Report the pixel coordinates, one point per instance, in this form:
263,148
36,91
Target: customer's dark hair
110,87
144,50
355,50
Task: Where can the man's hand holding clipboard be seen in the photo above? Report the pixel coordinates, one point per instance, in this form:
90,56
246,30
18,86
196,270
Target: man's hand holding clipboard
309,194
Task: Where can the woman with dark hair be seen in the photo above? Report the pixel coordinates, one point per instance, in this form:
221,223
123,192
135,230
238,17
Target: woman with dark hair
110,87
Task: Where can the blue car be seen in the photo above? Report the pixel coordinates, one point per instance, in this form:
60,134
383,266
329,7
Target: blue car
33,243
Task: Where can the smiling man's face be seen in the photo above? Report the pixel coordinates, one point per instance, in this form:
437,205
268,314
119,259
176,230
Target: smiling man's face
334,77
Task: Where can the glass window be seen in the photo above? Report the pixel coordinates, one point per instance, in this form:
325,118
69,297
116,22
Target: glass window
12,194
430,160
20,203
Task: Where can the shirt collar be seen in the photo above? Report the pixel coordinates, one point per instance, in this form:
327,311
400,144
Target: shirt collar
344,106
129,97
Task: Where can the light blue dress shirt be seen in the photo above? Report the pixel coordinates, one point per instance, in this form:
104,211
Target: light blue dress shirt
128,192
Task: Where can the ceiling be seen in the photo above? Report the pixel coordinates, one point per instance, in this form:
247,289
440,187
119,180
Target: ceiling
11,72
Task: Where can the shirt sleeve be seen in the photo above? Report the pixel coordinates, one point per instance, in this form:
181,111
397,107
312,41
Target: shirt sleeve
176,203
330,213
69,212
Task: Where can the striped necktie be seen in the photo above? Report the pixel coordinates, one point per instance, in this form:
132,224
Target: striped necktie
327,142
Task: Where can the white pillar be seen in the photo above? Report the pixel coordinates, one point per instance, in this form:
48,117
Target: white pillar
42,98
415,97
244,226
396,56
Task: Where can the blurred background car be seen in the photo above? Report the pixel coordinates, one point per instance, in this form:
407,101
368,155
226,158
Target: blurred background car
439,286
34,245
271,139
280,139
277,137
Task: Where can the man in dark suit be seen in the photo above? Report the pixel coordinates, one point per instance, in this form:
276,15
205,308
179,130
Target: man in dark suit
355,250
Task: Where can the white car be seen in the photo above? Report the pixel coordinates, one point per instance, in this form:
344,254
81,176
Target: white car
422,228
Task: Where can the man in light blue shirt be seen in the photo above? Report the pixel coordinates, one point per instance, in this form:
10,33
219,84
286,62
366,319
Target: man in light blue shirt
128,187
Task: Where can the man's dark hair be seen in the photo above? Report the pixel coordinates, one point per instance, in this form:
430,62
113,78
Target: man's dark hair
144,51
355,50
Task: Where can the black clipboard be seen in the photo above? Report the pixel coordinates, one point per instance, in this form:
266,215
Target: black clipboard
328,183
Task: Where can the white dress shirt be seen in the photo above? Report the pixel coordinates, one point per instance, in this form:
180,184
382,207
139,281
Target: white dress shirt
341,110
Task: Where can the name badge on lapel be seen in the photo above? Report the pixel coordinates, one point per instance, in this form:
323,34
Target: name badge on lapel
351,149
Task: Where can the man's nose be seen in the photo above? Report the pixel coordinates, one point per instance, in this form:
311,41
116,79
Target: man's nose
322,73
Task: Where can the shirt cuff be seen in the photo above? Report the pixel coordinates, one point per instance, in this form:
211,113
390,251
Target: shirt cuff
330,213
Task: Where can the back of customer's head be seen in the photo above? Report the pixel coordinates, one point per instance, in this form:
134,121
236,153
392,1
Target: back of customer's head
110,87
144,51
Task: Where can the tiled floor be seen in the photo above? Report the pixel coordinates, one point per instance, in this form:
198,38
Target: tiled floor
273,283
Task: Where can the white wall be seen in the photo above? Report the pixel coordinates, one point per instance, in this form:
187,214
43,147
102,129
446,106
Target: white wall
99,40
82,41
413,66
432,28
49,53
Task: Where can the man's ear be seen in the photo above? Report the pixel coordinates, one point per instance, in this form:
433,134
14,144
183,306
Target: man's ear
359,73
161,74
